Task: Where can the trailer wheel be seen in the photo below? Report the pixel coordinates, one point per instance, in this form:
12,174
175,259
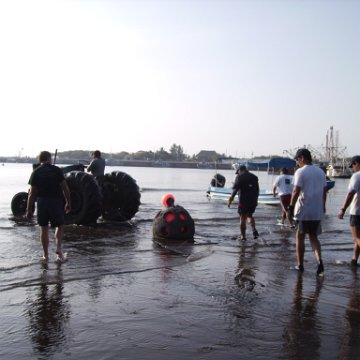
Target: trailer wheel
19,204
121,196
85,198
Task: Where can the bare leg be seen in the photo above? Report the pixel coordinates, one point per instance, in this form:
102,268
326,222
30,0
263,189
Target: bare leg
251,222
356,237
287,215
44,238
243,226
283,213
59,233
315,244
300,247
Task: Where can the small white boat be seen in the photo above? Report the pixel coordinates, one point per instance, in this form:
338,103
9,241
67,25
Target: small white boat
222,194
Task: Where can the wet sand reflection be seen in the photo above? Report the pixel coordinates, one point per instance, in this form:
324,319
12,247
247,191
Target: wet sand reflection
302,340
48,313
350,345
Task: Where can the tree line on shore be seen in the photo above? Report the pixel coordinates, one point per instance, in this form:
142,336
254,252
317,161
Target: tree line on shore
175,153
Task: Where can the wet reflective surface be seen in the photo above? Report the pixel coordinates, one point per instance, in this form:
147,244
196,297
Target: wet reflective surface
121,295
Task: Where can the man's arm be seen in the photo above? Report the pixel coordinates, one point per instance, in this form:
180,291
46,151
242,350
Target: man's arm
294,197
348,199
90,167
31,201
66,192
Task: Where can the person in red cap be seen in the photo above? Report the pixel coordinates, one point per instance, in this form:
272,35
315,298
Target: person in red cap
308,205
352,199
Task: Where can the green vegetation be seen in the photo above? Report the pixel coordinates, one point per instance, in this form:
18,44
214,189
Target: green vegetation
175,153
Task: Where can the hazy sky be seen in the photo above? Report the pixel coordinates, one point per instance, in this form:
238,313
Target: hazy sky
237,77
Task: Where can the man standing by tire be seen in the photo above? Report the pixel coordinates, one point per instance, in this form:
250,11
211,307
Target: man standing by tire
308,205
247,186
97,165
48,186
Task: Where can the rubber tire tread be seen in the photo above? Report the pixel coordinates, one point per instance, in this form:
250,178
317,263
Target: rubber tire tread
19,203
121,196
86,198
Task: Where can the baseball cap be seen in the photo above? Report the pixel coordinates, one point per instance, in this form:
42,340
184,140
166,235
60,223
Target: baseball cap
240,168
303,152
354,159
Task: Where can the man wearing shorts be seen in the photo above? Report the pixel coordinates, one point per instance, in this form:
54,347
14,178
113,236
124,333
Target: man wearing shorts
247,186
284,182
48,186
308,205
352,199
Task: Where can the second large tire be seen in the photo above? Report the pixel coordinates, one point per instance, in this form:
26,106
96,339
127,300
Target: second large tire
19,203
121,196
85,198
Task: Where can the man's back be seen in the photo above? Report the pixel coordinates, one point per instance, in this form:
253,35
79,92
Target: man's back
248,187
47,178
97,167
312,182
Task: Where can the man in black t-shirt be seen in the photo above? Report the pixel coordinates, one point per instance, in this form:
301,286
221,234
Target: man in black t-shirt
48,186
247,187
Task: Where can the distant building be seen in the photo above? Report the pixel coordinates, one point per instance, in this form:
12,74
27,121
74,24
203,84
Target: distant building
207,156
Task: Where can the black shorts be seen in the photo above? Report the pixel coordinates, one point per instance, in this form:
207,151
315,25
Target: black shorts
246,209
50,210
355,221
311,227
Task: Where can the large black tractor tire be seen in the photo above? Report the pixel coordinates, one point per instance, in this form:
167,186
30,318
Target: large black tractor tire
121,196
19,203
85,199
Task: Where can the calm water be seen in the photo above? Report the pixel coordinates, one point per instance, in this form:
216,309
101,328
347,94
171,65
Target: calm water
121,296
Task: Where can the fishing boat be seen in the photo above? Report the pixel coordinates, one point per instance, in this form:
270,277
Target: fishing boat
222,194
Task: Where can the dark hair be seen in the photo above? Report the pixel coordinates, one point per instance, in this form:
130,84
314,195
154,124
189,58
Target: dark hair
305,153
44,156
242,168
355,159
285,170
97,153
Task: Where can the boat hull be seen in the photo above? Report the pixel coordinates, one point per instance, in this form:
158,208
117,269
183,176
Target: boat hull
222,194
265,196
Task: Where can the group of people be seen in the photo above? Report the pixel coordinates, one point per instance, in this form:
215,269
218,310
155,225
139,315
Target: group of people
49,188
302,199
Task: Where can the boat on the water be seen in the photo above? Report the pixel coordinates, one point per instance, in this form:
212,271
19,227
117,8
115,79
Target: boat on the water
222,194
266,197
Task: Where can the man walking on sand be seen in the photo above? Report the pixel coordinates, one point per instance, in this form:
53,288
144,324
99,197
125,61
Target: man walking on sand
48,186
352,199
308,205
247,187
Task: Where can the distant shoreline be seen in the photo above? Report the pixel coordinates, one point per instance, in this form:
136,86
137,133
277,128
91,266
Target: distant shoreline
136,163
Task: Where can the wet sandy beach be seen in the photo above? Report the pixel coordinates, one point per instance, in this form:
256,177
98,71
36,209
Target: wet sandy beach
120,295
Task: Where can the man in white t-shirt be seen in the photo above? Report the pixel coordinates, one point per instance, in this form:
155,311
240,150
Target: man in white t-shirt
308,205
352,199
284,182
